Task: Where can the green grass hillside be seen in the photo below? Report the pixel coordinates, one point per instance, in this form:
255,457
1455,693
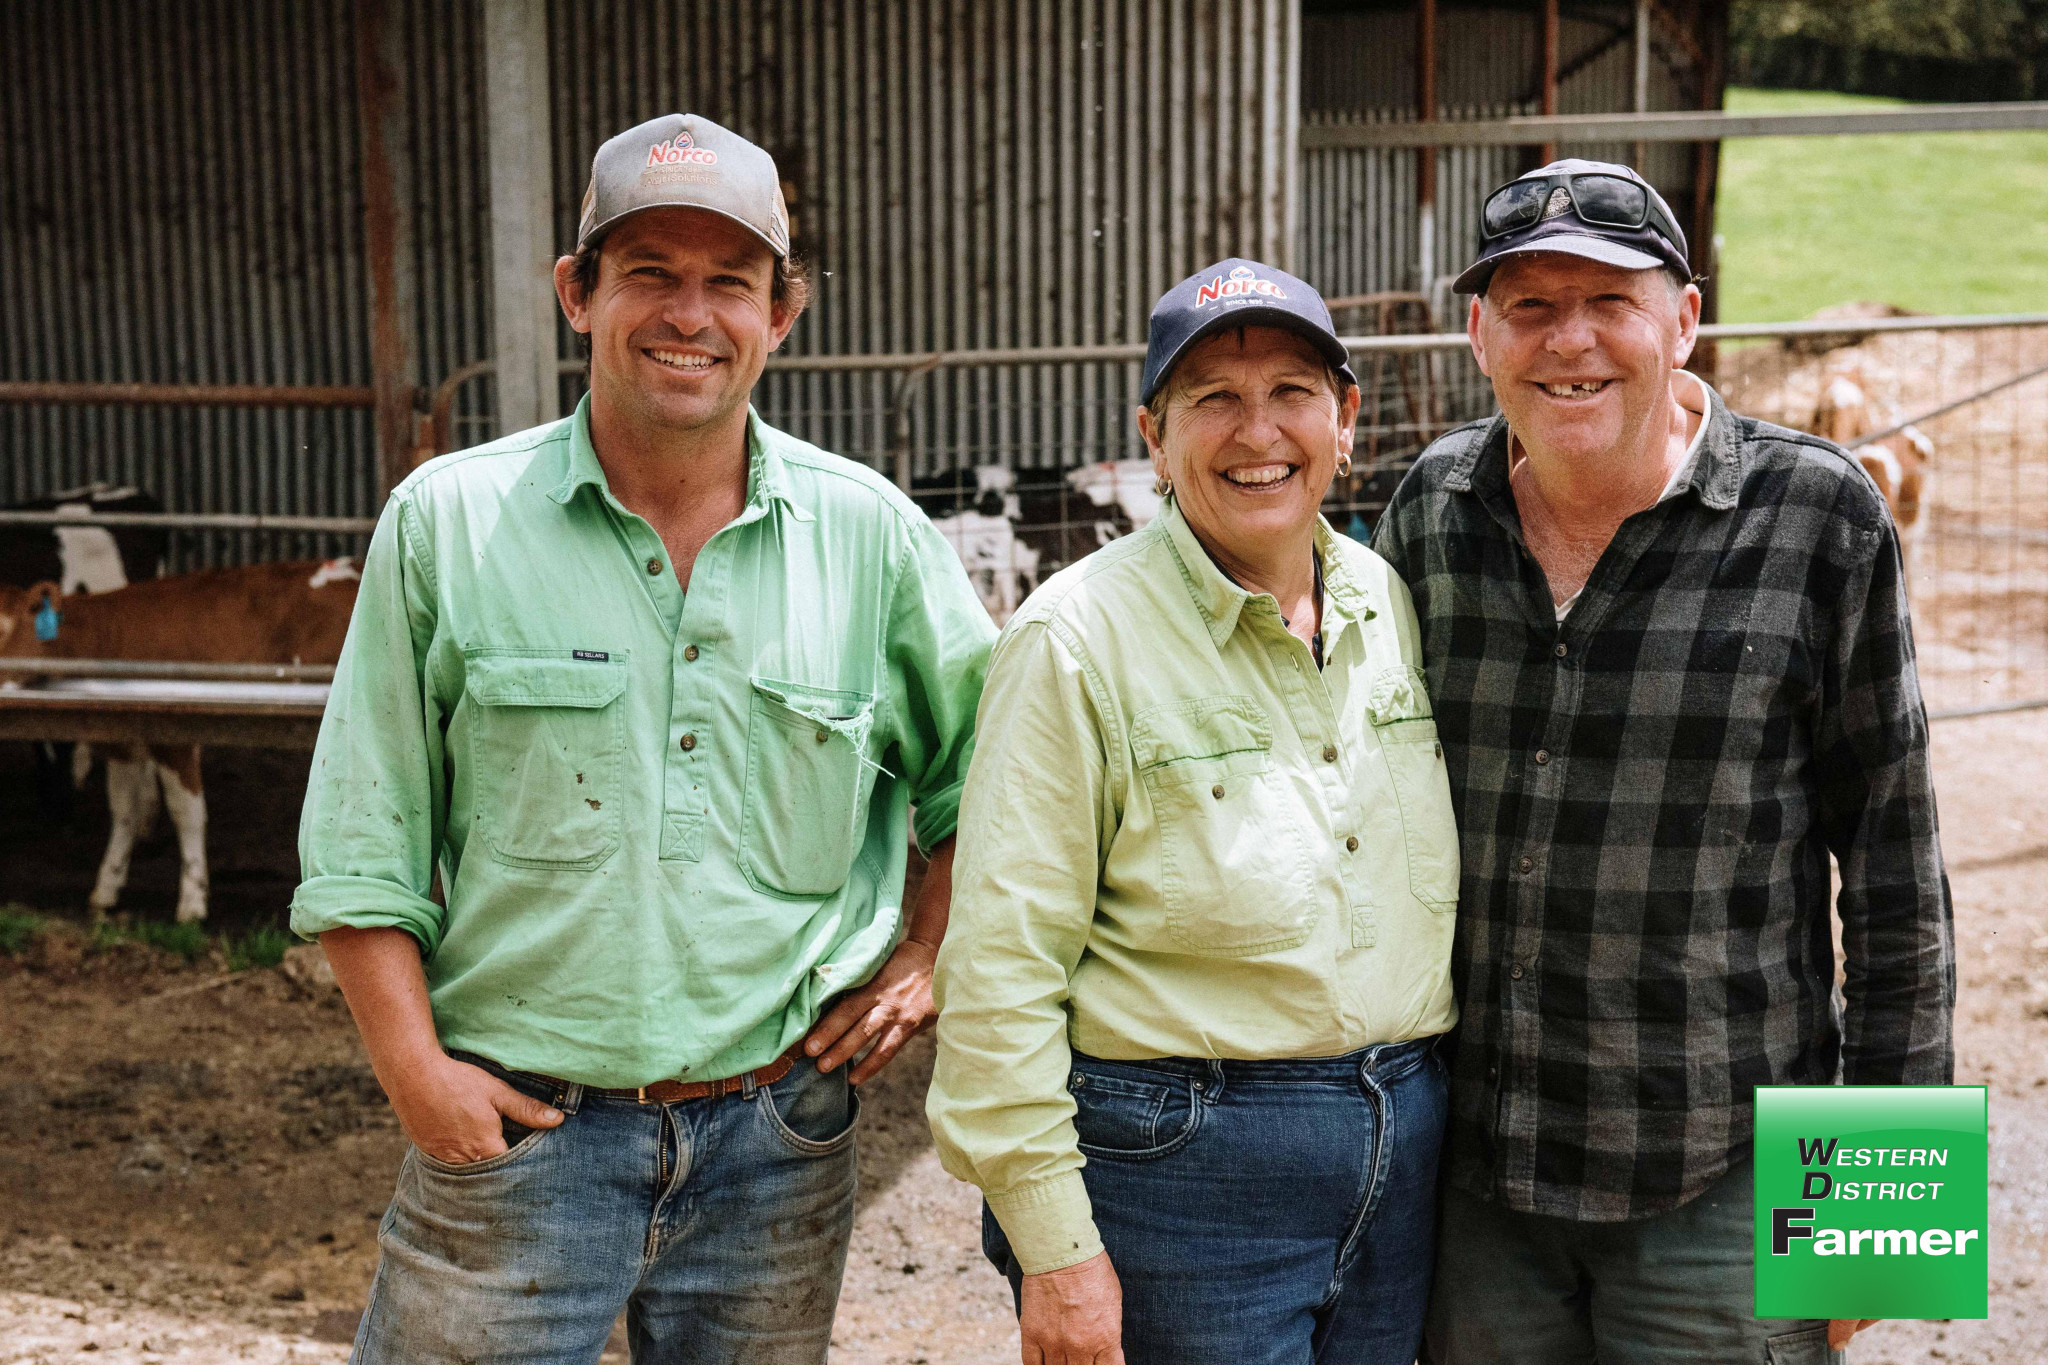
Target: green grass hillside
1937,222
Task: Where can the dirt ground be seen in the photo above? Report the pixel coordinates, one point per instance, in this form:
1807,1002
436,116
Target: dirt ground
192,1172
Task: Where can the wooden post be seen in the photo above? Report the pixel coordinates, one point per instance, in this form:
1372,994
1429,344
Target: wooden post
387,234
1425,157
1640,103
1550,60
1712,37
523,308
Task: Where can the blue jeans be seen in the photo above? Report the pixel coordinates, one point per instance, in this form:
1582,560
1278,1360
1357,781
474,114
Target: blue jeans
1671,1289
1263,1213
719,1226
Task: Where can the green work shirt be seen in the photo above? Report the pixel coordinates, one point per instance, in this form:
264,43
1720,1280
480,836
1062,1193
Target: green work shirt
1182,839
668,826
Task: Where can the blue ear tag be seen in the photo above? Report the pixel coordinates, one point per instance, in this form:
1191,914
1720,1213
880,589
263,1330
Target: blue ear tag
48,618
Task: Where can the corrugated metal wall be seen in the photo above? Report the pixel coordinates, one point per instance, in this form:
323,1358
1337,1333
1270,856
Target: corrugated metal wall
1359,210
181,201
992,174
183,204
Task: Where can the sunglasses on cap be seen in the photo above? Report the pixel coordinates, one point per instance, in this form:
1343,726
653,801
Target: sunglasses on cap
1597,198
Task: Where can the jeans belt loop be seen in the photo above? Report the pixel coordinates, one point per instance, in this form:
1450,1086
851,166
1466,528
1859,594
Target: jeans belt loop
1213,1091
570,1098
748,1086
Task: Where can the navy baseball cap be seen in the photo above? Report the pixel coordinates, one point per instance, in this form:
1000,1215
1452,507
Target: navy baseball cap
1558,227
1230,294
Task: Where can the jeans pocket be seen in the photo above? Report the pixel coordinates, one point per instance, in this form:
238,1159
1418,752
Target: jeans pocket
1807,1346
814,1113
1126,1114
512,1153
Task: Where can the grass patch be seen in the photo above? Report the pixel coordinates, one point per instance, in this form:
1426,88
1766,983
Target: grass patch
19,926
1936,222
188,941
262,946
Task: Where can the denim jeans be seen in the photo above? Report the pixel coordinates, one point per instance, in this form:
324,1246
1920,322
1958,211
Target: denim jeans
1522,1289
1263,1213
719,1226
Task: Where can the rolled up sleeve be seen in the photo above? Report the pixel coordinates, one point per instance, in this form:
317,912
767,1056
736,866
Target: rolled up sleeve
376,806
1032,833
939,637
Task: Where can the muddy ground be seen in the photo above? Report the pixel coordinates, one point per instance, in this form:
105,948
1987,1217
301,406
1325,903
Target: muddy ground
192,1171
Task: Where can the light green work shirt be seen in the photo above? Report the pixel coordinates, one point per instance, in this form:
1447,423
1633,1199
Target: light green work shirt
668,827
1182,839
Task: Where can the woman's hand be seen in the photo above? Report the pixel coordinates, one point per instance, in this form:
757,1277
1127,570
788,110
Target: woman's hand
1074,1316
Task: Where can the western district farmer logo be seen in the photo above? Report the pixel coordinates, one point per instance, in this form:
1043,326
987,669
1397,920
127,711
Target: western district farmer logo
1871,1201
1240,283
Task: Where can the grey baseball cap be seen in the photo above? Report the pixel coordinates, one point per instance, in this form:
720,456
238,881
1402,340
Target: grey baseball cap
685,161
1658,243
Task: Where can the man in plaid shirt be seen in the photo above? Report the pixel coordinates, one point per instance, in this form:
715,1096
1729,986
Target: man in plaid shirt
1672,671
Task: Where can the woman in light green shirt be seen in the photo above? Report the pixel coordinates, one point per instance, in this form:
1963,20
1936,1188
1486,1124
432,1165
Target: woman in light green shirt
1204,895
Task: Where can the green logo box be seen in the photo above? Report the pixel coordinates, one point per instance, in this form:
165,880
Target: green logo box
1872,1201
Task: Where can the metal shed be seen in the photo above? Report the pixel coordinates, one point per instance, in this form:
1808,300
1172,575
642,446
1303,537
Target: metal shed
348,203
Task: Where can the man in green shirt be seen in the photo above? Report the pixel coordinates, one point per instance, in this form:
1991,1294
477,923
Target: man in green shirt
654,691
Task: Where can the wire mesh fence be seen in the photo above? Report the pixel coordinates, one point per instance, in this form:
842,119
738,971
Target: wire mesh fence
1971,484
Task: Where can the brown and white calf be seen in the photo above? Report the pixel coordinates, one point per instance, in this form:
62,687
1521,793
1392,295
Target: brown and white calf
263,613
1901,465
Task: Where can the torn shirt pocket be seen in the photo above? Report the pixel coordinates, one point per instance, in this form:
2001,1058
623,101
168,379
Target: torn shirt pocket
808,780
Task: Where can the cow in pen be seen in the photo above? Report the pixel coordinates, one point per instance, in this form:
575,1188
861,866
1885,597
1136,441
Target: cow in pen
294,613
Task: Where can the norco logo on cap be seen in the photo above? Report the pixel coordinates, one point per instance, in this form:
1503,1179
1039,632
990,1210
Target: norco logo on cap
680,150
1240,282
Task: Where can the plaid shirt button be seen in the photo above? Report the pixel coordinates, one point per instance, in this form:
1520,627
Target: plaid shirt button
1542,757
1527,864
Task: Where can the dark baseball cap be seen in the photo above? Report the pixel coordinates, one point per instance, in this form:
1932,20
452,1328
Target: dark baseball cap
685,161
1231,294
1657,245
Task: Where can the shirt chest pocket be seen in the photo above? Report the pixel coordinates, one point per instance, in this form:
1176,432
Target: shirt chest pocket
545,743
1406,727
1234,870
808,779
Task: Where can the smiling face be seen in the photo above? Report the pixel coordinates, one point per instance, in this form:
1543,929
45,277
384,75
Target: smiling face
1250,435
681,320
1581,353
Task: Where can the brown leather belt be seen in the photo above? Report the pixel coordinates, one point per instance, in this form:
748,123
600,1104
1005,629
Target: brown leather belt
675,1092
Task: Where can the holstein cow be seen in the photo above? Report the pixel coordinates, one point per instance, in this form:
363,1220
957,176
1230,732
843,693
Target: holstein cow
263,613
83,558
1901,465
80,559
1008,537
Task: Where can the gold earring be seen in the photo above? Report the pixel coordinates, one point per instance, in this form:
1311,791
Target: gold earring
1343,465
1162,485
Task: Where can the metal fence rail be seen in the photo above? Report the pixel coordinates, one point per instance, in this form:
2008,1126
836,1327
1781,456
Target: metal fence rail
1975,386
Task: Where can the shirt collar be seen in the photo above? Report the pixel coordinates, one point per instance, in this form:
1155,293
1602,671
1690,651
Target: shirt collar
767,474
1222,602
1713,464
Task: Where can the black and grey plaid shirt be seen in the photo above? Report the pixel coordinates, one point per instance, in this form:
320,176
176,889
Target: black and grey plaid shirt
1648,794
